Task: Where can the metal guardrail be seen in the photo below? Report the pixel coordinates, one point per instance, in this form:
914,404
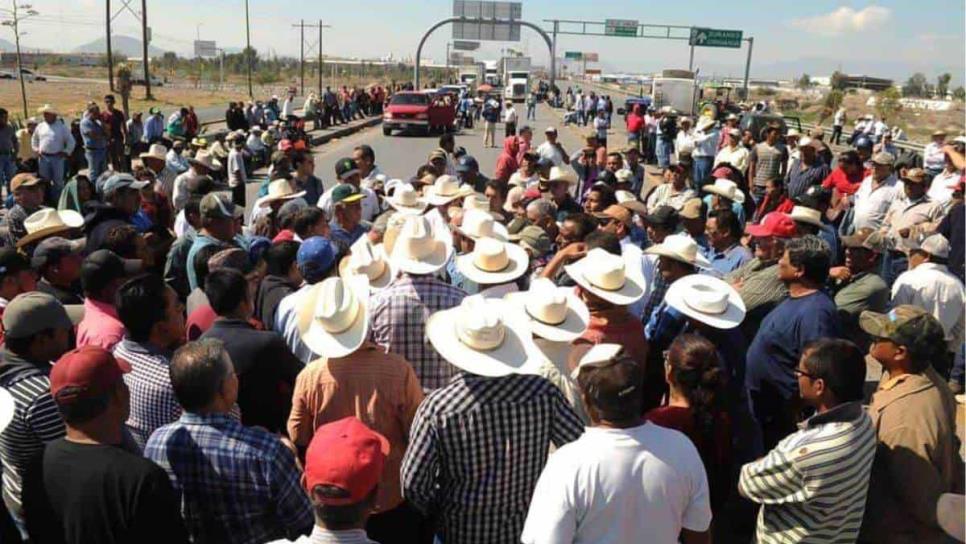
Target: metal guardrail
906,145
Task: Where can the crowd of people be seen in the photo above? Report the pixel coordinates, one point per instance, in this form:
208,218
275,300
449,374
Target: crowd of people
578,349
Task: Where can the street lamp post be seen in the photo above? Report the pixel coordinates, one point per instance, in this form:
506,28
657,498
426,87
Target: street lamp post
14,22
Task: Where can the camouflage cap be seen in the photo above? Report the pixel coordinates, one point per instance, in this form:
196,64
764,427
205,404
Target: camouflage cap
906,325
866,238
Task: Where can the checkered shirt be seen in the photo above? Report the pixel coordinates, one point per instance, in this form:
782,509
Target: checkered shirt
153,403
477,447
398,316
237,484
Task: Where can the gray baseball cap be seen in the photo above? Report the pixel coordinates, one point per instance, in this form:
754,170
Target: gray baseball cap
52,249
32,312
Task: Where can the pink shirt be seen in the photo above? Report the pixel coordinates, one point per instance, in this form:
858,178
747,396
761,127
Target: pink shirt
100,326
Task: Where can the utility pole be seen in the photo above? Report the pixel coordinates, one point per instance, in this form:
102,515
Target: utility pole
248,51
14,23
302,56
110,56
751,44
447,60
320,59
144,50
302,26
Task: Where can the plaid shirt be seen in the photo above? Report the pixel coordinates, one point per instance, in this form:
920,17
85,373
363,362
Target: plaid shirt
398,316
237,484
477,447
153,403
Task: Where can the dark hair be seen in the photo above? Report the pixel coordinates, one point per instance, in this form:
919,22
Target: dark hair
610,388
21,346
198,370
840,363
140,304
305,219
607,197
812,255
444,139
608,241
344,516
617,155
298,157
695,370
226,289
280,257
201,260
584,223
123,241
499,187
727,219
193,205
850,157
366,152
83,408
3,111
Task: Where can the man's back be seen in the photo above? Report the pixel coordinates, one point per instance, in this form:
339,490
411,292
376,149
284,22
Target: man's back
80,493
933,287
620,485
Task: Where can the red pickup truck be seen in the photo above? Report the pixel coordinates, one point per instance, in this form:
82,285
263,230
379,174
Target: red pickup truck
422,111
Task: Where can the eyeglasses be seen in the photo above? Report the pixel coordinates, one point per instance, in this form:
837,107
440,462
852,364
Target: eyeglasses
799,372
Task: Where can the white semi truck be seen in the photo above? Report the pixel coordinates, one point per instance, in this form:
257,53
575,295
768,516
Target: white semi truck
677,89
471,75
516,78
491,73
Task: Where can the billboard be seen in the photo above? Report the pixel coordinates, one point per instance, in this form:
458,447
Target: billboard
621,27
205,48
497,24
591,57
463,45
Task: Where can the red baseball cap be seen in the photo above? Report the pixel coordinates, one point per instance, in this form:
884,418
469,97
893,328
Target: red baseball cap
348,455
776,224
721,173
85,372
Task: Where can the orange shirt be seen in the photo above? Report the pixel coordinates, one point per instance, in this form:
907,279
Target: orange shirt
617,326
379,388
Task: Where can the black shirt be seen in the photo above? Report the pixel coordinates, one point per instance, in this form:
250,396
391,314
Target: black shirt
87,493
64,296
952,228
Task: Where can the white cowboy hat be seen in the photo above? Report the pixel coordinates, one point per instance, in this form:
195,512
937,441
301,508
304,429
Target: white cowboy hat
726,188
445,190
624,176
419,248
707,299
555,313
333,319
370,261
598,355
279,189
7,409
405,198
493,262
156,151
204,158
514,198
704,123
562,174
480,224
48,108
680,247
483,337
605,275
47,221
629,201
477,201
808,215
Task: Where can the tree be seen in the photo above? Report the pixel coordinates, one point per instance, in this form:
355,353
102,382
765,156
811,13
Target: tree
887,103
838,81
942,84
916,85
804,82
959,93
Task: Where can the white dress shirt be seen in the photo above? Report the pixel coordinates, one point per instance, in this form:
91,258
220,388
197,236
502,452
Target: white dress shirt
552,153
933,287
286,324
871,204
51,139
370,204
736,156
933,157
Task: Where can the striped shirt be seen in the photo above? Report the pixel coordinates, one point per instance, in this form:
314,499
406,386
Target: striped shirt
153,403
477,448
813,485
36,421
398,316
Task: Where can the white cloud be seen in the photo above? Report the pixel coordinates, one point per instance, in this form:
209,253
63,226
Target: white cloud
844,19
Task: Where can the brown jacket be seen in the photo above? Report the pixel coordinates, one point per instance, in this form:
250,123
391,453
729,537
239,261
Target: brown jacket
916,460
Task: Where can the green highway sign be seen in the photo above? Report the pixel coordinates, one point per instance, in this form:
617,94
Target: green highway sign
573,55
715,37
621,27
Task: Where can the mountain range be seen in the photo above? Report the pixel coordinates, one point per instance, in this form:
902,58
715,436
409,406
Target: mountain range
120,45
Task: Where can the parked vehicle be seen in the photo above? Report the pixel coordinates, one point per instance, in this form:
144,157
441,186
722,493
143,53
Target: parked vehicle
491,73
678,93
471,75
757,121
516,78
28,75
420,111
139,80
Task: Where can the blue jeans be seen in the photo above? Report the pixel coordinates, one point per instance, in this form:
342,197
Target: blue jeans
52,168
893,264
532,111
8,168
663,150
96,162
701,170
959,366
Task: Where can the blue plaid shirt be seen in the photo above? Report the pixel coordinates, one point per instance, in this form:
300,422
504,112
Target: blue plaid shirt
237,484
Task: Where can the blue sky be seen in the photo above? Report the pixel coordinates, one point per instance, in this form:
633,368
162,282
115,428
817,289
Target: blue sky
897,37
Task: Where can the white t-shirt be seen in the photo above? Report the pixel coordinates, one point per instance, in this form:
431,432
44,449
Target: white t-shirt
510,115
552,153
618,486
236,169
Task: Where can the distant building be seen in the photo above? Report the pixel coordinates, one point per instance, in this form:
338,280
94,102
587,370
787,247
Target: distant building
867,82
36,59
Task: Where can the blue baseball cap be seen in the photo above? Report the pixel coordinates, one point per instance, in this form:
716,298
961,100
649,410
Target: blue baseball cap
316,257
467,164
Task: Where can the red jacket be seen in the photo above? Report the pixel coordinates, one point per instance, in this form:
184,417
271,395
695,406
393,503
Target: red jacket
845,184
635,121
507,163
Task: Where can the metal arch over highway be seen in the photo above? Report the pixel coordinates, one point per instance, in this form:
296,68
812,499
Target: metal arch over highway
546,38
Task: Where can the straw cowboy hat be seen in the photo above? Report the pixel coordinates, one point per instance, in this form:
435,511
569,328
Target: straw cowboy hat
279,189
631,202
480,224
48,108
446,189
726,188
562,174
156,151
419,248
707,299
680,247
605,275
206,159
333,319
555,313
370,261
704,123
493,262
807,215
405,198
484,337
48,221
